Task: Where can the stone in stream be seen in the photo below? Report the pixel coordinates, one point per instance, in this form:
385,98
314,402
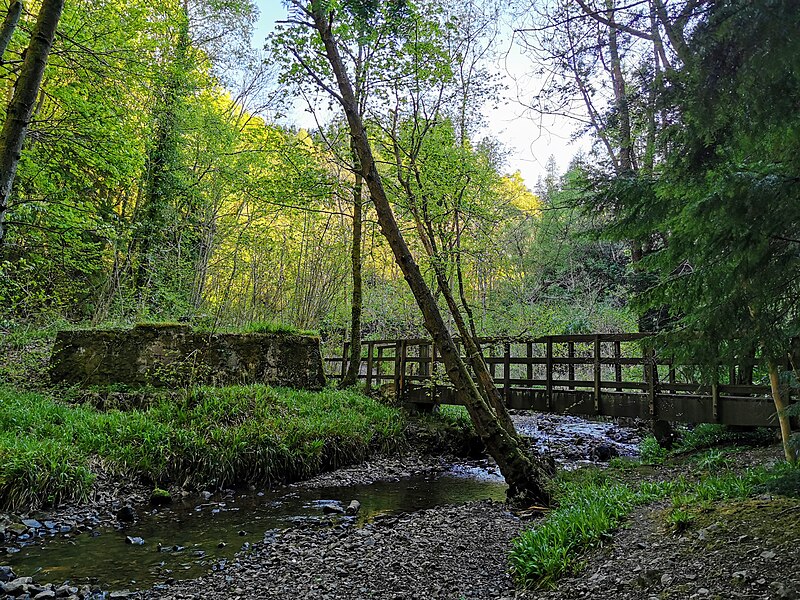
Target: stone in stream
66,590
332,509
126,514
604,452
160,497
353,507
17,587
135,541
31,523
6,574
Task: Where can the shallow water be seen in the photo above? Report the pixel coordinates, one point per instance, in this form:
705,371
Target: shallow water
183,541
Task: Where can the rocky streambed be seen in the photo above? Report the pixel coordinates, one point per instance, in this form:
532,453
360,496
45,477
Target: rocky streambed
439,519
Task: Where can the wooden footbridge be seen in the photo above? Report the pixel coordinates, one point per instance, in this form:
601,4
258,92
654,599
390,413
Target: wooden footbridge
611,374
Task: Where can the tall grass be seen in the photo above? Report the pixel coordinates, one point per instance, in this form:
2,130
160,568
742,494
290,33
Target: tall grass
205,437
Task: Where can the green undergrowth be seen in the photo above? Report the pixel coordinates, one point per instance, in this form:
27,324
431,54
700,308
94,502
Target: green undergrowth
50,452
591,504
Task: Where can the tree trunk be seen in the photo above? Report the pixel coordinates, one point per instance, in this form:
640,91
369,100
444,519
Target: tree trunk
351,377
22,104
626,157
780,407
9,25
524,474
485,381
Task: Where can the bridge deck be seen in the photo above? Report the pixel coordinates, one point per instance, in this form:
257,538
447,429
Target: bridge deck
614,375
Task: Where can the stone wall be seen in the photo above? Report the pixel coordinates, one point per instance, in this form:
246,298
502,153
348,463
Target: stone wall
177,356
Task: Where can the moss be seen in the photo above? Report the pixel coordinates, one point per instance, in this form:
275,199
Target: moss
775,521
160,497
158,326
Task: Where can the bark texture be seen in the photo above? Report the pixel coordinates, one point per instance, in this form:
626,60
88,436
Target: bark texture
24,100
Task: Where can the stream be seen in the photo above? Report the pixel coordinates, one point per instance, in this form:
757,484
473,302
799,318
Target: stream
185,540
188,538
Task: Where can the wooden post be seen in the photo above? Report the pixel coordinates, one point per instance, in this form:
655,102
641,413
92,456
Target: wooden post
398,365
571,367
649,373
597,374
549,371
370,350
433,371
403,363
424,360
715,396
618,364
345,348
530,362
507,371
491,364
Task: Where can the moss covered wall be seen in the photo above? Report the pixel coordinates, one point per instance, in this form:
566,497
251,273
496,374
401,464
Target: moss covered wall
177,356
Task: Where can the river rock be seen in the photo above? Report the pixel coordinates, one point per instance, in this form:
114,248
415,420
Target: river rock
126,514
6,574
332,509
604,452
44,595
31,523
135,541
353,507
17,587
66,590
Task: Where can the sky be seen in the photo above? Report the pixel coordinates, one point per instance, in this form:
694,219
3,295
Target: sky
530,141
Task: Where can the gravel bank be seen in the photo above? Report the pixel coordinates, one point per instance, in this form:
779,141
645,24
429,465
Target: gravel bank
445,552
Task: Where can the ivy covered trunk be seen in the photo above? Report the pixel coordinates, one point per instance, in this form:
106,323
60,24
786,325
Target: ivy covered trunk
525,474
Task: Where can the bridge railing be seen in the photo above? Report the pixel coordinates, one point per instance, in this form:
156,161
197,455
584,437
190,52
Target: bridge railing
612,374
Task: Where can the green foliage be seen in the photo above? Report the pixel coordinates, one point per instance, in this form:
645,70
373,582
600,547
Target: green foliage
206,437
651,452
706,435
271,327
591,506
712,460
679,519
588,512
726,195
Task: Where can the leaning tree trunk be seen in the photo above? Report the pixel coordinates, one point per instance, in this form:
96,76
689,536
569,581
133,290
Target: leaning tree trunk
24,100
351,376
9,25
524,474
